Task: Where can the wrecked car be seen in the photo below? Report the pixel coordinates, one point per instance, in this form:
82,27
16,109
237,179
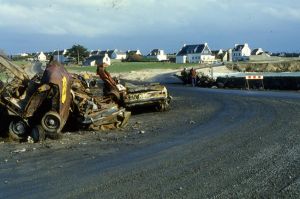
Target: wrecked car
155,95
41,106
95,112
131,95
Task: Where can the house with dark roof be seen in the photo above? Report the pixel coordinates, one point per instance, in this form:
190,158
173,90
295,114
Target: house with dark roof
41,57
158,55
94,52
118,55
97,59
241,52
257,51
133,52
223,55
199,53
112,54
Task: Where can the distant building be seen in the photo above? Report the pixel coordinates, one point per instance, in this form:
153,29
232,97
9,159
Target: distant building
257,51
24,54
221,55
134,52
94,59
199,53
61,56
241,52
94,52
41,57
157,54
118,55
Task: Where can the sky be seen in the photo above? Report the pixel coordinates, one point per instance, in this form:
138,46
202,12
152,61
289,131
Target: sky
48,25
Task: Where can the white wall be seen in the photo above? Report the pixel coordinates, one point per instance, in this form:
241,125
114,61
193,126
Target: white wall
198,58
242,55
42,57
181,59
118,56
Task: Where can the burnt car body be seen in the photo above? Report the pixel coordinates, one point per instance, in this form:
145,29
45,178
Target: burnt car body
38,105
94,111
132,96
146,95
42,105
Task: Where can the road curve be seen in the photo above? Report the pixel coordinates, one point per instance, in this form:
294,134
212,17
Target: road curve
212,143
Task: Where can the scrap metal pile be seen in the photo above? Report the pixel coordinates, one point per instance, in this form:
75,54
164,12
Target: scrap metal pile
44,105
201,80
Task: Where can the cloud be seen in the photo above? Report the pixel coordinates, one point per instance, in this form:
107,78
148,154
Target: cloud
189,20
101,17
284,13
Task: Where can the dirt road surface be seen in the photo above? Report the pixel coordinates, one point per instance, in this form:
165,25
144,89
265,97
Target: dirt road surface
211,144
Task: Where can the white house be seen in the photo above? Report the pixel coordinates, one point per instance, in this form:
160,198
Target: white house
41,57
158,54
199,53
241,52
97,59
257,51
116,54
137,52
24,54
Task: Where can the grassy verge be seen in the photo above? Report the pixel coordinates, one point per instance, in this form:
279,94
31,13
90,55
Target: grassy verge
118,67
131,66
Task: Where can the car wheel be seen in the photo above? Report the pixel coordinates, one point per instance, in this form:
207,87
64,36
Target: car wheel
51,122
17,130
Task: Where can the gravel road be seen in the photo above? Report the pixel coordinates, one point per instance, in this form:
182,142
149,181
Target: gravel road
211,144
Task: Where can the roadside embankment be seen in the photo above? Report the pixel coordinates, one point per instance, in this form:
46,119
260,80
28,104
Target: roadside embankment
278,66
271,83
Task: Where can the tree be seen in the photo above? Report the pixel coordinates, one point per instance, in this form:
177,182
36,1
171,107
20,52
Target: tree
134,58
78,53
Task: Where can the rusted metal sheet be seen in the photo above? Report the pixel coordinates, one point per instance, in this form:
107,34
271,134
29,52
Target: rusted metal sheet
56,75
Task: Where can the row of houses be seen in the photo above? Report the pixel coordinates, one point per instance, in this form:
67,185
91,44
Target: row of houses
201,53
106,56
195,53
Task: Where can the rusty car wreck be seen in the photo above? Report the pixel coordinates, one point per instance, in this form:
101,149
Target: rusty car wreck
54,99
41,106
132,95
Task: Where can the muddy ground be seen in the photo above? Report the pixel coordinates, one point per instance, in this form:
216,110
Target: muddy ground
212,143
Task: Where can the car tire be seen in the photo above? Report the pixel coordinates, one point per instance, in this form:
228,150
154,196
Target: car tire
17,130
51,122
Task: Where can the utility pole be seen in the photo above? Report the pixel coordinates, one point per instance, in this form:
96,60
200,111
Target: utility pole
58,55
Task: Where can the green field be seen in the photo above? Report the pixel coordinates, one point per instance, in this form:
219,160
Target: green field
130,66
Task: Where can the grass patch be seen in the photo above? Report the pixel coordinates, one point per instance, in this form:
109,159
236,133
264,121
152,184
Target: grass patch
119,67
130,66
